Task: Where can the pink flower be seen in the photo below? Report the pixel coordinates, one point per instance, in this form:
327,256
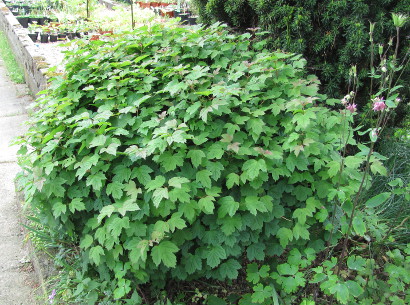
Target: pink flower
52,296
351,107
378,104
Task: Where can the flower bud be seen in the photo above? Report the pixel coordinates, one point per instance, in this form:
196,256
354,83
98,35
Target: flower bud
399,19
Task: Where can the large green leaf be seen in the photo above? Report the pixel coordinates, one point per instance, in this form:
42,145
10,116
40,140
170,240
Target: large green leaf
165,253
95,254
377,200
214,255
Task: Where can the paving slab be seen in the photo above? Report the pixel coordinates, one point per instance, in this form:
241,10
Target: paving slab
10,128
18,281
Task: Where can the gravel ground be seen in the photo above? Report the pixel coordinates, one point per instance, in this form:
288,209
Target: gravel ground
52,52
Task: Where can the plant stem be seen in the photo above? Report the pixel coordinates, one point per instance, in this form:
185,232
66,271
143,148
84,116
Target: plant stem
404,66
356,201
343,154
132,14
396,53
371,60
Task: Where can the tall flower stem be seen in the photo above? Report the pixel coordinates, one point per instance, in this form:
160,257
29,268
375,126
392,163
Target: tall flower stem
352,214
371,55
396,54
358,194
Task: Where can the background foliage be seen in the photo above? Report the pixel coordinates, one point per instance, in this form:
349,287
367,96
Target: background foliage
332,35
14,71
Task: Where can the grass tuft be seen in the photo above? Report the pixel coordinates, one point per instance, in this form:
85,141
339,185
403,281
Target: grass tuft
14,71
396,210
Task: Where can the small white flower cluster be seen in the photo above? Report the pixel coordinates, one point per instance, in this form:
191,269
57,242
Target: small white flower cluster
347,98
347,101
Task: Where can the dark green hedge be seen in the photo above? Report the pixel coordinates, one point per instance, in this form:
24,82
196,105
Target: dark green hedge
332,35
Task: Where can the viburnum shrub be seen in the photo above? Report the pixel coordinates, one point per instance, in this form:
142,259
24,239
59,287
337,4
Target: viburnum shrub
184,153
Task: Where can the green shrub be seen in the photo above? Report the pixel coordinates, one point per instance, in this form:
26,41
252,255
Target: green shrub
332,35
185,153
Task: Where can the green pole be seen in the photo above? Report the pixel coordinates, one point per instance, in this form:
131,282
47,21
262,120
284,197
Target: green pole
132,14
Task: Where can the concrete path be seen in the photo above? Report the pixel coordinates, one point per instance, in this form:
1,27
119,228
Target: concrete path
17,278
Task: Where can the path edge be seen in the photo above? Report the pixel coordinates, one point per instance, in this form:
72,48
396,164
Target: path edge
34,258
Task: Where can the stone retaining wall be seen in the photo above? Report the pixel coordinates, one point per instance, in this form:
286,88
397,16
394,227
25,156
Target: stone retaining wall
27,55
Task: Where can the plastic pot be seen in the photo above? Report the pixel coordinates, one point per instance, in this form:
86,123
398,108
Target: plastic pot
33,36
70,35
184,18
44,38
34,19
192,20
26,9
23,21
53,38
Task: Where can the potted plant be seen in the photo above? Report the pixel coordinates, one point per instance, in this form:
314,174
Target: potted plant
53,36
192,20
14,10
25,8
53,30
45,33
23,20
35,19
33,31
184,18
62,32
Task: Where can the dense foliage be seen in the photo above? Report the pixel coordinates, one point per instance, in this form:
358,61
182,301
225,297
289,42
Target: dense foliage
332,35
177,154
